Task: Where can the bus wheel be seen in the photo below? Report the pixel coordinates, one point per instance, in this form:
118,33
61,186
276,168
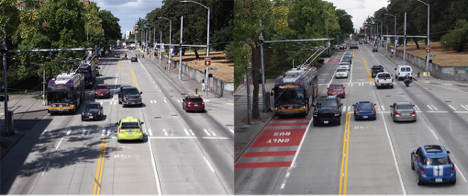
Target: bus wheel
307,109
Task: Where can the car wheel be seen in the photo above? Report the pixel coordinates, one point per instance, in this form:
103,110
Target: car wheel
339,121
418,179
392,86
120,102
316,123
412,163
82,118
454,181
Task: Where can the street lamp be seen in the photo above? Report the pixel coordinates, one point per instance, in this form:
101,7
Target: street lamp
428,22
170,37
381,25
87,30
394,32
207,40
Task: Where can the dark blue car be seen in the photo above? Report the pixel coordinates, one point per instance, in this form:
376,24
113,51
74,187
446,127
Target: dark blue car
364,110
433,165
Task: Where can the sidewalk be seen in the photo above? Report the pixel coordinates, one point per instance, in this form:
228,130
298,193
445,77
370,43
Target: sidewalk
244,132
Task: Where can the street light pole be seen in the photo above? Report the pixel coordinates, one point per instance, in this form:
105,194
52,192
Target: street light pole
87,31
428,23
207,42
394,32
170,38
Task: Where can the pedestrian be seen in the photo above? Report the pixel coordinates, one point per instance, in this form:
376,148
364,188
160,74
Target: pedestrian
203,84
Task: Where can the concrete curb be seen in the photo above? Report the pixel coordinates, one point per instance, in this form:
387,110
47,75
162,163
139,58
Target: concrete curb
256,134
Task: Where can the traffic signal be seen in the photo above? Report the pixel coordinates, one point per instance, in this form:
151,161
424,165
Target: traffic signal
210,75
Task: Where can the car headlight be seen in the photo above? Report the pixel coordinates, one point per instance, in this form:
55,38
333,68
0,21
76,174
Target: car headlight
83,113
99,113
337,114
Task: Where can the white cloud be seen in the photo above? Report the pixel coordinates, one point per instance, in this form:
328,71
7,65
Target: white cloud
359,9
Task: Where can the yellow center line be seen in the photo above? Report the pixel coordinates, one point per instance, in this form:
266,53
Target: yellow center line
133,74
99,168
345,155
367,68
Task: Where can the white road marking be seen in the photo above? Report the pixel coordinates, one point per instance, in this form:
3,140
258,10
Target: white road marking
58,144
191,132
232,131
344,109
45,131
84,132
212,132
452,107
150,132
394,157
186,132
209,164
215,138
383,107
464,107
103,133
69,131
459,171
154,168
208,133
430,107
45,169
437,111
87,134
165,132
433,133
174,137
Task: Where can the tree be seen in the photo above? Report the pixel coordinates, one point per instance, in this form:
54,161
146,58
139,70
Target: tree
456,39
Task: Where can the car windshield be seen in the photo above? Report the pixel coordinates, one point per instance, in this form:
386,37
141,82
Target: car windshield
336,87
344,63
342,70
365,106
197,100
287,96
404,106
405,69
131,91
130,125
438,161
91,106
101,87
327,102
385,76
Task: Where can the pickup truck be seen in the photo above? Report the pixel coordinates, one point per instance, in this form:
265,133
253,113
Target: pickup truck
384,79
375,69
327,110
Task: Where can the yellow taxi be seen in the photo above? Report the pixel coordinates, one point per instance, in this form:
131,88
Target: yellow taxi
129,129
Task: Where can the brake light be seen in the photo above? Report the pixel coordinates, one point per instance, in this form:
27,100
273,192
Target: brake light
423,170
453,169
377,80
392,79
357,111
397,113
373,111
413,113
119,131
140,129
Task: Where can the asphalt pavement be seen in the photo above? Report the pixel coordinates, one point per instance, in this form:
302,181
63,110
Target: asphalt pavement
24,104
246,133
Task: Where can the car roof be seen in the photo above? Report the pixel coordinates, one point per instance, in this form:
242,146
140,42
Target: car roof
336,85
403,103
328,97
361,102
102,84
434,151
129,119
194,97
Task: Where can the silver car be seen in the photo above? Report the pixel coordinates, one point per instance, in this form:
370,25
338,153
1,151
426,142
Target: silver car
403,111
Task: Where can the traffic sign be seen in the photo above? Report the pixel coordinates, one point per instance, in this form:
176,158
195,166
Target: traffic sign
212,68
432,55
207,61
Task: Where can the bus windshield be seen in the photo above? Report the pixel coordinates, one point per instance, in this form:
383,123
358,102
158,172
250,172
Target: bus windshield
286,96
60,97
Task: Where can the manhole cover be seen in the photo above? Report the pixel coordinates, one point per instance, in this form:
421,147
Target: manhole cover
174,115
448,101
157,117
388,96
229,125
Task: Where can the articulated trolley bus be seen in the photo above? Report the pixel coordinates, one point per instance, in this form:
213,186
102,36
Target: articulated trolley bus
65,93
295,91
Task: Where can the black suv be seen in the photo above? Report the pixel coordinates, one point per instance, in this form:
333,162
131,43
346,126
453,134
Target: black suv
129,95
327,110
375,69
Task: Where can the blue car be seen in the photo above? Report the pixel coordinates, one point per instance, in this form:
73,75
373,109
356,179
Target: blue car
364,110
433,165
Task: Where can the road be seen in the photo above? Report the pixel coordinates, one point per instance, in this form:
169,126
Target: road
360,157
182,153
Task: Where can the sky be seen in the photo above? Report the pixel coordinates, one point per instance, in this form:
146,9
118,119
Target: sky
359,9
128,11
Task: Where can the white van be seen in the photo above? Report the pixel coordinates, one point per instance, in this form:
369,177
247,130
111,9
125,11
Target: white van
402,70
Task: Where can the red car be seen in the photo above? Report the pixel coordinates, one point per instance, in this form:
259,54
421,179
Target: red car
193,103
336,89
101,90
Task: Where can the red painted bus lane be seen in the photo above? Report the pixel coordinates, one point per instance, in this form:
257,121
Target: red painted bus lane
275,138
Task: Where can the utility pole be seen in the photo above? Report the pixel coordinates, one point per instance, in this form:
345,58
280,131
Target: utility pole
265,98
4,51
180,46
404,44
